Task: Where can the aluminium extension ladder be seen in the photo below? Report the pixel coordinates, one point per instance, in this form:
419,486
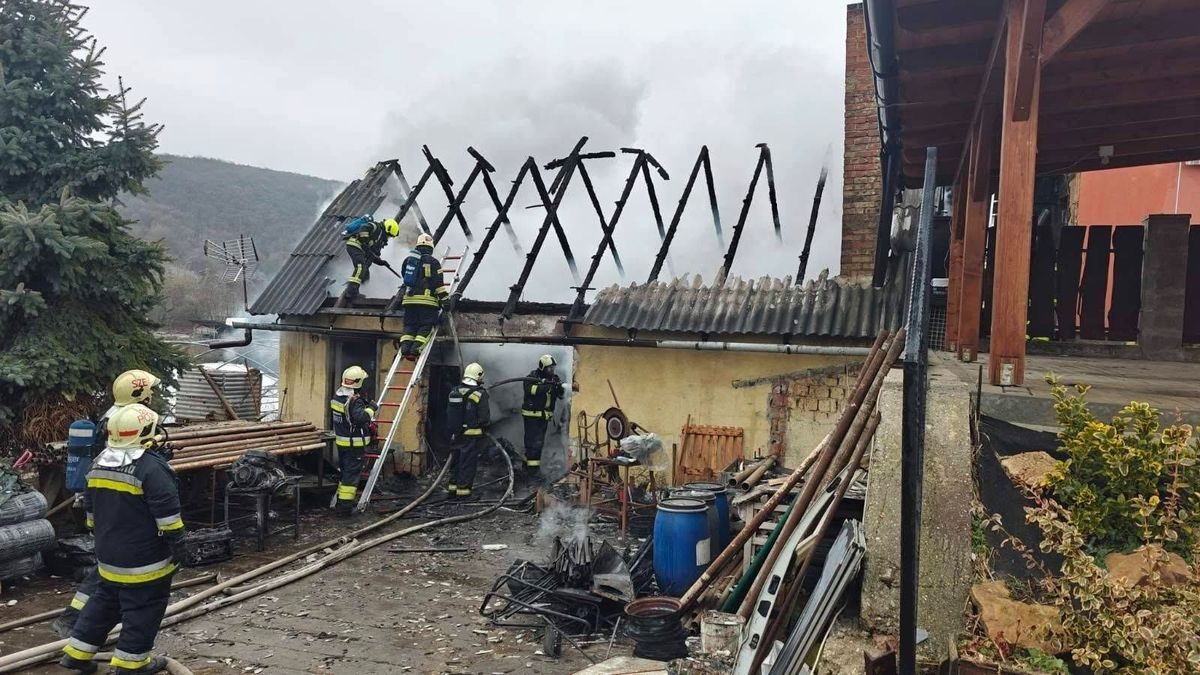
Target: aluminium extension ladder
414,376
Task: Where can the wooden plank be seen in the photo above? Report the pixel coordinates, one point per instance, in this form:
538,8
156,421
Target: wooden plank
975,228
1094,289
1041,285
1066,23
1066,283
954,296
1029,63
1126,301
1018,154
1191,310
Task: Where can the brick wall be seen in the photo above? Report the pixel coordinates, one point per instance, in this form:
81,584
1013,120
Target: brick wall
862,189
804,406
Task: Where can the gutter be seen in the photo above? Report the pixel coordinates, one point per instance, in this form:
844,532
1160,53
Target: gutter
232,342
812,350
880,20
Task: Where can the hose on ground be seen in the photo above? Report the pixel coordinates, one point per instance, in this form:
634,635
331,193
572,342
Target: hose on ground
348,545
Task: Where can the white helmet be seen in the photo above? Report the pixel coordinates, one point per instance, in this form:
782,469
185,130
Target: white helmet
353,377
546,361
133,386
132,426
473,372
425,239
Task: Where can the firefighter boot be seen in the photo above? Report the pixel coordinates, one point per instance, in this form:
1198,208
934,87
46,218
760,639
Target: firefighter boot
78,665
344,508
156,665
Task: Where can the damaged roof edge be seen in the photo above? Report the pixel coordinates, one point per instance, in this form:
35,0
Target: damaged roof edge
823,307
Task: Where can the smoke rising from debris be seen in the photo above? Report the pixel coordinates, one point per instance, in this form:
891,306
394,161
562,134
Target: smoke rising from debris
329,89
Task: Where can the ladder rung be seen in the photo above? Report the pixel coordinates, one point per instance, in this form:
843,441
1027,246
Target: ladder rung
452,257
398,386
449,271
389,405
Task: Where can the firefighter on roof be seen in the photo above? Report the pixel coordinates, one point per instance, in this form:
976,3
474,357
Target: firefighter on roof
354,431
365,238
425,290
132,503
131,386
543,389
468,416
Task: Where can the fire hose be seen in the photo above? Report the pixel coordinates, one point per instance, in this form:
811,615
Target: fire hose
348,546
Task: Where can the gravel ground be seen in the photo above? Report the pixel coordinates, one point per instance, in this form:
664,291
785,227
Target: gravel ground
378,612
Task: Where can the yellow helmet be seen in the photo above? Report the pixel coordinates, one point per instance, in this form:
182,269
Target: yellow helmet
473,372
132,426
391,227
353,377
424,239
133,386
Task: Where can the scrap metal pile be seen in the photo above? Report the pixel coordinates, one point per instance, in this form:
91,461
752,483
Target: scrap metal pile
581,590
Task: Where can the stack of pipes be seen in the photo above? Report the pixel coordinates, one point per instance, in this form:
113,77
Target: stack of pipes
832,466
218,445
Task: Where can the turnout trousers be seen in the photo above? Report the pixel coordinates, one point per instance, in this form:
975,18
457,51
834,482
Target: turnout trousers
535,440
419,321
87,588
465,451
139,609
359,273
350,467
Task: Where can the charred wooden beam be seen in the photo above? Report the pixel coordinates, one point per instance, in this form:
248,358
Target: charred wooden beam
447,184
702,162
812,225
763,158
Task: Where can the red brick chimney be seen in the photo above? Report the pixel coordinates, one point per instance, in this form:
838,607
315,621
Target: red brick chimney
862,183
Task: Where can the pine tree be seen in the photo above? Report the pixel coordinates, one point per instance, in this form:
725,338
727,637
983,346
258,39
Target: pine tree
76,287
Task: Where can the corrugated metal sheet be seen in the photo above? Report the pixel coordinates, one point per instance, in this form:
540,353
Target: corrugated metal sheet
196,401
823,307
302,284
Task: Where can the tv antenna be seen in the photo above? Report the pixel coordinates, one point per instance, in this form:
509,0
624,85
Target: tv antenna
240,258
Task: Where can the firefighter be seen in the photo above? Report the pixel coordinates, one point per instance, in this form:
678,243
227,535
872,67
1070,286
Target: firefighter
543,389
425,291
132,502
353,430
469,416
131,386
365,238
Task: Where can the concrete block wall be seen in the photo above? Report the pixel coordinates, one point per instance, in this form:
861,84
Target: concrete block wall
862,183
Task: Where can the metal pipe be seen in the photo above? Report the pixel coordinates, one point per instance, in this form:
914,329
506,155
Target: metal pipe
224,460
222,430
748,469
234,342
837,444
217,443
689,598
756,475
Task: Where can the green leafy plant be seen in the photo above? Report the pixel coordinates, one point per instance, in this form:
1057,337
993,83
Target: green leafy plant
1112,625
1116,470
76,287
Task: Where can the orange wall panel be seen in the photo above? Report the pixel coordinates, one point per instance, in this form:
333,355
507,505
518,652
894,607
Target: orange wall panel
1127,196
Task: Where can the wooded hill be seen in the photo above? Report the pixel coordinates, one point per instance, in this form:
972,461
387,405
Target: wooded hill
196,198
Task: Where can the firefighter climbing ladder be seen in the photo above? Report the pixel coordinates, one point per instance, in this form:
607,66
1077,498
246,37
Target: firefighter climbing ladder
414,376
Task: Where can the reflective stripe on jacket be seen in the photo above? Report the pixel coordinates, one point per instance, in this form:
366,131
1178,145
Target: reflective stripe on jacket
350,420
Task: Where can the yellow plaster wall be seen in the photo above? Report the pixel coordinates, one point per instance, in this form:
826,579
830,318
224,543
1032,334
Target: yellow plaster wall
660,388
304,378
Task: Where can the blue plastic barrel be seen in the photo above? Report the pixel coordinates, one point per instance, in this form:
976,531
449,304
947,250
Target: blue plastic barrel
81,437
681,544
710,506
722,503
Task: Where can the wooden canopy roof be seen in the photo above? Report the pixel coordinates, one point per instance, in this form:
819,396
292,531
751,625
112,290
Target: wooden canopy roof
1120,73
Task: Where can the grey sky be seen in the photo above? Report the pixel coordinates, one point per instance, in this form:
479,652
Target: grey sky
327,88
